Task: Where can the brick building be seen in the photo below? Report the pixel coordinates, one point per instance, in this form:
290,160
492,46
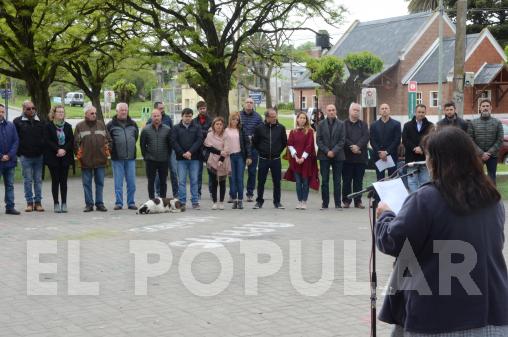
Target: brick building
408,46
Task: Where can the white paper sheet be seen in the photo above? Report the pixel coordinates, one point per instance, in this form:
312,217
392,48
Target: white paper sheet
385,164
393,192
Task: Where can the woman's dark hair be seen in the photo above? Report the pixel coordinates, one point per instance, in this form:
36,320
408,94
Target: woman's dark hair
457,171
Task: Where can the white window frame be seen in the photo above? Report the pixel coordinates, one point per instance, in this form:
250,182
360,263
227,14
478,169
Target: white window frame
419,100
431,99
303,102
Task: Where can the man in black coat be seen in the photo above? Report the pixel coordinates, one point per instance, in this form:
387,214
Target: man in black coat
330,139
412,136
357,138
451,117
385,139
204,121
269,140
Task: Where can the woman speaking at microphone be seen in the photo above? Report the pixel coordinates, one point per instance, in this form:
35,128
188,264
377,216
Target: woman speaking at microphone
450,277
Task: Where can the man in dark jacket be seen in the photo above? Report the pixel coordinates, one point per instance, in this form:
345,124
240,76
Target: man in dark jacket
124,135
412,136
30,151
155,146
487,133
269,140
330,140
187,140
357,138
8,146
250,120
204,121
173,174
385,139
92,147
451,118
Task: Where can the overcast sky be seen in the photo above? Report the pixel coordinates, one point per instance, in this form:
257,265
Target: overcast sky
363,10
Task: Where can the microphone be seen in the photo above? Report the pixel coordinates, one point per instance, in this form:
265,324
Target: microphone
416,163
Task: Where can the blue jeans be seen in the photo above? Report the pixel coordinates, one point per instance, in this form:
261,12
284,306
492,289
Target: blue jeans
302,187
191,168
7,174
251,170
32,177
173,175
124,169
236,179
325,165
98,175
417,179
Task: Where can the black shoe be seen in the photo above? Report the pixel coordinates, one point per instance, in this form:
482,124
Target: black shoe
279,206
12,211
240,204
117,208
324,207
235,204
133,207
258,205
101,208
338,208
88,208
231,200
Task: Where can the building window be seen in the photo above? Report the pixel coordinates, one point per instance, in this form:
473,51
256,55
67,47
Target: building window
419,98
303,104
433,99
314,101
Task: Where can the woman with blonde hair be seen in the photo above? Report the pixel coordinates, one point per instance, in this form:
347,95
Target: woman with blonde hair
302,162
218,161
237,144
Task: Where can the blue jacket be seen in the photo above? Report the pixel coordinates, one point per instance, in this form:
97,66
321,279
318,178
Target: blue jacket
438,239
185,139
9,143
385,137
250,122
166,120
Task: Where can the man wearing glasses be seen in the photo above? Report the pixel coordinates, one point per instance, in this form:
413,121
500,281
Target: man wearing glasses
30,151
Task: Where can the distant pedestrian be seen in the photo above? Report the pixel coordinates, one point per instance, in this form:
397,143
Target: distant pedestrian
303,167
330,139
269,140
218,161
238,145
187,139
30,151
92,145
59,155
155,144
9,143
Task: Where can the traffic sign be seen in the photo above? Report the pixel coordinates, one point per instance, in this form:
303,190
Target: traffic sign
369,97
257,96
109,96
413,86
3,93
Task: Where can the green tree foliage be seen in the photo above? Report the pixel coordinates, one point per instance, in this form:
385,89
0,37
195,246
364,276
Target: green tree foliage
344,77
124,90
208,36
36,37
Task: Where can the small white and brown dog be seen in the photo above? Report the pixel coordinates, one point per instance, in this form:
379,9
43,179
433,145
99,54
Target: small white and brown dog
160,205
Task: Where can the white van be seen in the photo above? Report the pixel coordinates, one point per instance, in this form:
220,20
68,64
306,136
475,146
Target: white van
74,98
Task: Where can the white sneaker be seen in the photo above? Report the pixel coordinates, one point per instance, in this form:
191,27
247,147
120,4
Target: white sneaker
221,206
299,205
214,207
304,205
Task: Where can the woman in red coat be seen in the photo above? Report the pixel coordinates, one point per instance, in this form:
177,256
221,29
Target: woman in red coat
302,164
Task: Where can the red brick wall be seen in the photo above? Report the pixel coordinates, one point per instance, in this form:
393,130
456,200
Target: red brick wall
484,53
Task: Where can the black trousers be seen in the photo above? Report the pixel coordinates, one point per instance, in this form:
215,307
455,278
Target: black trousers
59,175
352,173
275,168
154,168
217,182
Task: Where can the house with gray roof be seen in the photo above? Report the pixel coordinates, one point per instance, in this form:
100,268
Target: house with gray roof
407,45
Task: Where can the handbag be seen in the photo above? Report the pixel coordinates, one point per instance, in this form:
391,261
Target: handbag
286,155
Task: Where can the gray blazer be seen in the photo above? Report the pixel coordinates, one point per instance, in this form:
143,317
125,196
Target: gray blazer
331,142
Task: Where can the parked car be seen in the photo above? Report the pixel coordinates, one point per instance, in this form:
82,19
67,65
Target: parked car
503,151
74,98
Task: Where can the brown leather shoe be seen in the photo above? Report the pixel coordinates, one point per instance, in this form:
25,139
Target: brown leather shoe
38,207
359,205
346,204
29,207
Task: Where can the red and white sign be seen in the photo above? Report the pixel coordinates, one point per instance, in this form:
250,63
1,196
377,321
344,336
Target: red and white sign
369,97
412,87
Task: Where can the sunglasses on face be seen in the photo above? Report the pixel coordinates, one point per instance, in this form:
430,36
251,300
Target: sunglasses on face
30,108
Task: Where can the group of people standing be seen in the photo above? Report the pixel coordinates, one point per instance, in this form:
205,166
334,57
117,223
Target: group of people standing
225,148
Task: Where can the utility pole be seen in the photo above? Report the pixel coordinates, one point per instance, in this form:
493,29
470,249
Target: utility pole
460,56
440,64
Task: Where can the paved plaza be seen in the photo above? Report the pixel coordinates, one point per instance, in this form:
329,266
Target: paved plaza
175,303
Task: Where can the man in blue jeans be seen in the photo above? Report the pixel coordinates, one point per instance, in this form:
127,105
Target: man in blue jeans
124,134
330,139
92,147
8,146
30,151
250,119
186,139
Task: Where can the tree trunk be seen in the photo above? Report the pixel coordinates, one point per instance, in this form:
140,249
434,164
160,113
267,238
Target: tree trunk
95,97
340,105
39,93
216,98
268,88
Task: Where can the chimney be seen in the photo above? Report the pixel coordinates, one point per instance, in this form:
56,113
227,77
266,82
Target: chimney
322,43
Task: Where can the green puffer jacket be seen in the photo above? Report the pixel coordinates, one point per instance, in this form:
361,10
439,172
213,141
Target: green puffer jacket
487,133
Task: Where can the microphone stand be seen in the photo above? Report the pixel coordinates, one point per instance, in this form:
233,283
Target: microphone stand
374,199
